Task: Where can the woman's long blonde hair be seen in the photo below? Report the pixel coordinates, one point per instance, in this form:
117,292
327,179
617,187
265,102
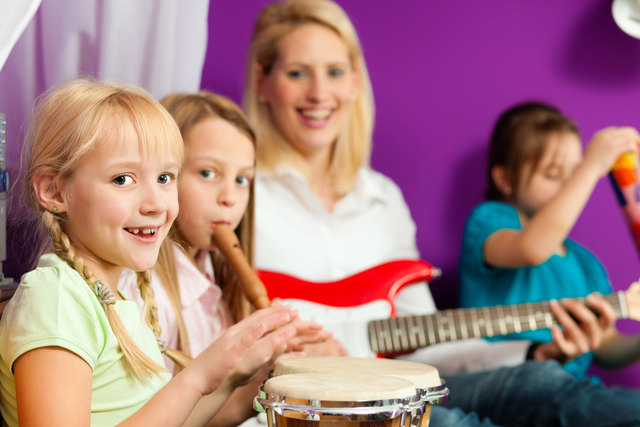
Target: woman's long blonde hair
352,148
68,123
189,110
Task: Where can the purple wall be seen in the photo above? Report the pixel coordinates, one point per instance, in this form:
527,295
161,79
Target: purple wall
442,72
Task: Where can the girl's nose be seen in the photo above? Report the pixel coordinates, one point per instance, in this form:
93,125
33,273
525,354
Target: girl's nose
227,195
153,200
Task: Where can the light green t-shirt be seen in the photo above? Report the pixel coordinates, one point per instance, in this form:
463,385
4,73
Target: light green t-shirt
53,306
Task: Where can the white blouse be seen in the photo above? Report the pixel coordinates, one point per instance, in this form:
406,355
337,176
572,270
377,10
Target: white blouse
296,235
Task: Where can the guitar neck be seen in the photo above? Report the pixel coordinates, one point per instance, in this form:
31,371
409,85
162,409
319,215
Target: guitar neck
402,334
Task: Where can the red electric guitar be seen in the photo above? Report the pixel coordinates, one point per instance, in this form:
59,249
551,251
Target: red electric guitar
360,310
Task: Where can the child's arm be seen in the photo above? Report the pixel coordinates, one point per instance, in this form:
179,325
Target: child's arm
548,228
53,385
243,349
239,407
252,367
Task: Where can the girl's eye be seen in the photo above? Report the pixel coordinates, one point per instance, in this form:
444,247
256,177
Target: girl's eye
122,180
296,74
166,178
244,181
335,72
207,174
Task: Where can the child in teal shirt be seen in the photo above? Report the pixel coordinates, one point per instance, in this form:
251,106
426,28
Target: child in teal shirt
515,247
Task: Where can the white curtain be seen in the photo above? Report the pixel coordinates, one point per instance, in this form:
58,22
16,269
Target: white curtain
157,44
15,17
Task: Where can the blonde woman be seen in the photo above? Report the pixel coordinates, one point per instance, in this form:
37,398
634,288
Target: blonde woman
323,214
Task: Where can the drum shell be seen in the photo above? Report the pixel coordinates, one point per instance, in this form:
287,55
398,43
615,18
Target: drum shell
293,410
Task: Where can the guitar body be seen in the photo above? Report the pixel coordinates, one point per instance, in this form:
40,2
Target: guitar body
345,307
382,282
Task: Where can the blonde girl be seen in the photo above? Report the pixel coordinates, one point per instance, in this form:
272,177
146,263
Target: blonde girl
196,289
101,166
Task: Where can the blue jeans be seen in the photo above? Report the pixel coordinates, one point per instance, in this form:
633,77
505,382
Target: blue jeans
534,394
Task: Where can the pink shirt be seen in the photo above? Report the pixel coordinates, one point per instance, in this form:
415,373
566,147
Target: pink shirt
204,314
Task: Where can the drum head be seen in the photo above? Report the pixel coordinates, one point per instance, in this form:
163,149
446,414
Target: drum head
339,387
421,375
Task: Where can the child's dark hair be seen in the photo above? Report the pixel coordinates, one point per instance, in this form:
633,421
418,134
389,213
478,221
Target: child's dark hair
520,137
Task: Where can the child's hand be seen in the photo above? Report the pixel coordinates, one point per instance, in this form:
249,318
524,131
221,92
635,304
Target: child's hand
582,329
264,352
330,347
307,333
607,145
244,348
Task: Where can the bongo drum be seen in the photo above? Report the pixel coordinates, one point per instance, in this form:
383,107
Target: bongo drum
425,378
339,400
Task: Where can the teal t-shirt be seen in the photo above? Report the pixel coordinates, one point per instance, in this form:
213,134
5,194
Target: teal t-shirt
576,274
53,306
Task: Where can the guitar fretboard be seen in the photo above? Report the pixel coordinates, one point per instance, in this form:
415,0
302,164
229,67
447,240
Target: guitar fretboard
401,334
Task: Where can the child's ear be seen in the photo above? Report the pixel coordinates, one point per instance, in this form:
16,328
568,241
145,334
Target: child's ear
49,195
501,179
259,81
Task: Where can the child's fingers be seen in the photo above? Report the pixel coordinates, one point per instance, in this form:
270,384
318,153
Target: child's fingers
300,340
565,348
590,329
571,331
605,313
608,144
262,321
300,324
246,332
263,353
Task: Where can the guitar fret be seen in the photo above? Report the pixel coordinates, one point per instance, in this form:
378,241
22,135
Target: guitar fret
501,320
378,333
517,326
373,338
430,329
548,318
488,325
474,323
395,342
451,327
422,338
408,327
440,333
463,324
388,344
413,331
403,332
532,317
